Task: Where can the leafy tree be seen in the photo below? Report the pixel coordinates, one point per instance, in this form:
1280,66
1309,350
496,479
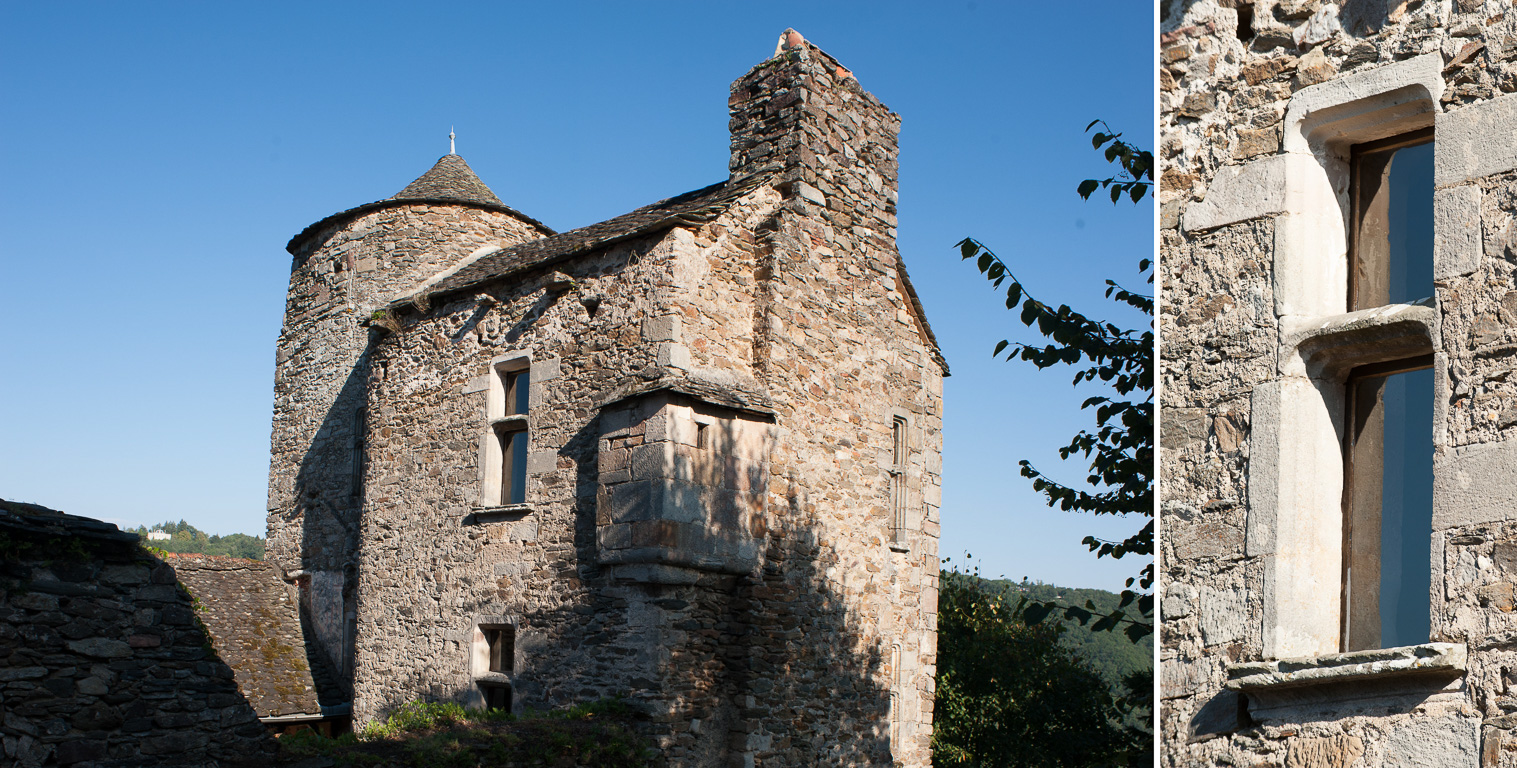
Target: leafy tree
1009,694
1121,447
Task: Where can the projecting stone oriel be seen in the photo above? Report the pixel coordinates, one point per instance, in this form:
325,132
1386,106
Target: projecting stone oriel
450,179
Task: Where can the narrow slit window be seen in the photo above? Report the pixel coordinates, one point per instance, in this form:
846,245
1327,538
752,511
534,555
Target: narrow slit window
1388,505
513,472
895,698
898,440
898,490
1392,233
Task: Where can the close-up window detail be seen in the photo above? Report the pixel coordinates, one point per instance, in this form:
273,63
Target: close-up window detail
1336,475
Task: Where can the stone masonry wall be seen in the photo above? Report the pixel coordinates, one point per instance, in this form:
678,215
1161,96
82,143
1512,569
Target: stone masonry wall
102,660
792,297
1230,75
340,275
842,354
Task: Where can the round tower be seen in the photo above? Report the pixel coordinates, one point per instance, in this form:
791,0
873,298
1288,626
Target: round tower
345,267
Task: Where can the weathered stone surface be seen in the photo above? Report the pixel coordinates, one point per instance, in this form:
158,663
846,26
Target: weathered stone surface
1451,743
101,694
1257,338
1457,246
733,451
1238,193
1428,659
1475,141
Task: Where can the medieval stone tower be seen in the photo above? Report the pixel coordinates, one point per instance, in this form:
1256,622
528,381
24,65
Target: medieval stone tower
689,456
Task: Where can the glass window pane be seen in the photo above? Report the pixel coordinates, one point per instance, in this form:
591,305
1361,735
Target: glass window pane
1410,220
1406,510
514,469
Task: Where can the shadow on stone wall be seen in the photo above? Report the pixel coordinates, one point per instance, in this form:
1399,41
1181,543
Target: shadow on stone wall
328,497
103,659
772,665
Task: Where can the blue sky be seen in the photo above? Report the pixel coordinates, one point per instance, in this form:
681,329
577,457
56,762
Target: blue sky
155,158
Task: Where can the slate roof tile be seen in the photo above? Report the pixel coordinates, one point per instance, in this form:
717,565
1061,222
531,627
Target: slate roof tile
254,623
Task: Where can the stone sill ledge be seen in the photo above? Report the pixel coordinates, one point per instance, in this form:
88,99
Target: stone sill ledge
496,514
1429,659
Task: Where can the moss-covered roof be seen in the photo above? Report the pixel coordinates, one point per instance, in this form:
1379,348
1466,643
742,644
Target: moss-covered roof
254,622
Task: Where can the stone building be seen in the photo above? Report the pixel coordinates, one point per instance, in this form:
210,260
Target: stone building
688,456
1339,401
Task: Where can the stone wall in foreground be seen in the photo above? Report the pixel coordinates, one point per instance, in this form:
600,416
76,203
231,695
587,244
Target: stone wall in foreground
102,659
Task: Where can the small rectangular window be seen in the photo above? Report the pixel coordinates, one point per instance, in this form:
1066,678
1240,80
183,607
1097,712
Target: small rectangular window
502,648
515,385
496,695
1388,505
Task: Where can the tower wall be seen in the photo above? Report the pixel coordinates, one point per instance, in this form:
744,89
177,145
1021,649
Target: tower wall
339,276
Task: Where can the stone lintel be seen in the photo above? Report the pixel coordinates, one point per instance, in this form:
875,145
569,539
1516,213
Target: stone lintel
1328,347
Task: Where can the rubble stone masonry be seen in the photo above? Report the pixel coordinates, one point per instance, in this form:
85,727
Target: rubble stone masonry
1259,102
714,494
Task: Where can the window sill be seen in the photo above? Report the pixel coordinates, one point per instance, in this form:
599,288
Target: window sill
896,546
510,423
501,678
496,514
1428,659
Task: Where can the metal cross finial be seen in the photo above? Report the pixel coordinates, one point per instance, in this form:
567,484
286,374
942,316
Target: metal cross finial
451,150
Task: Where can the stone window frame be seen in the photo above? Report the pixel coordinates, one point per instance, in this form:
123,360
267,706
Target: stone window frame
480,673
900,450
498,422
1296,476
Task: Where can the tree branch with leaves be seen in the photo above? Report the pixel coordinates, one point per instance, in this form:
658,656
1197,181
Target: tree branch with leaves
1120,447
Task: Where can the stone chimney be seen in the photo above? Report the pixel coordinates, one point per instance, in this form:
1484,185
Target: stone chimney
804,116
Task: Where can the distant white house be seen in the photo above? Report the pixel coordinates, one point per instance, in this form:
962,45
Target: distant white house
158,536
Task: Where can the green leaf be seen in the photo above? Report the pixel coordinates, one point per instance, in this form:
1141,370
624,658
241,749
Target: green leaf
1088,186
1002,345
1092,124
968,248
1137,192
985,261
1116,193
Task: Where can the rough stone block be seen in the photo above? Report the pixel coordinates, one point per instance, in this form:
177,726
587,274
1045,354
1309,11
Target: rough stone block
1457,244
1475,141
1450,742
1474,485
1239,193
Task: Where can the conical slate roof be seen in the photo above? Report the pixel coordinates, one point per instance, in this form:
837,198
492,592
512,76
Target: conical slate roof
450,179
